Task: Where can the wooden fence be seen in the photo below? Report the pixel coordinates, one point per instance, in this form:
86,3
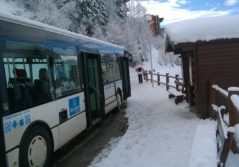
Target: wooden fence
158,78
227,118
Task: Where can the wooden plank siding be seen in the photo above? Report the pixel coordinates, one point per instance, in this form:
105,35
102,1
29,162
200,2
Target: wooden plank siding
218,62
213,61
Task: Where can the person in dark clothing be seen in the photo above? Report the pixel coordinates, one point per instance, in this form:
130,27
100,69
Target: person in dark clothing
140,74
42,87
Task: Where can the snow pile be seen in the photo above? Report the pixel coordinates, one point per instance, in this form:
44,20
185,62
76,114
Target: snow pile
235,101
160,133
204,139
204,29
233,159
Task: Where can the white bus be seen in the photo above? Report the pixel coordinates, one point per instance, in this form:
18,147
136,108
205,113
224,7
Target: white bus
54,84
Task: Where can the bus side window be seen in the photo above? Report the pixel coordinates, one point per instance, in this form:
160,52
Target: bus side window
104,72
19,84
66,72
22,62
42,87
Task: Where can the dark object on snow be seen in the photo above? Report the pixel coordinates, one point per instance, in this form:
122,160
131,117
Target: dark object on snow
179,99
177,95
170,96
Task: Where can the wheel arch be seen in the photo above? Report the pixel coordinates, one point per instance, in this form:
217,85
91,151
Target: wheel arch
41,124
33,129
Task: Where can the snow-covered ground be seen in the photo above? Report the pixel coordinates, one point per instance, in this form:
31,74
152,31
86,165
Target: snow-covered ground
160,133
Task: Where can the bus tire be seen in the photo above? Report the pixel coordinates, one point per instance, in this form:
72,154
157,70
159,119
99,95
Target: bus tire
119,100
36,148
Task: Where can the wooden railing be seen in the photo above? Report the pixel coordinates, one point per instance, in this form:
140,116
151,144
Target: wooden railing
227,118
158,78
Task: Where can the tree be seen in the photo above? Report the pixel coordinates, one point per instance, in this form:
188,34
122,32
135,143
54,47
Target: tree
90,13
46,11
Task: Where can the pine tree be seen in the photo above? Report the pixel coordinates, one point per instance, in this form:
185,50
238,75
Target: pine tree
88,14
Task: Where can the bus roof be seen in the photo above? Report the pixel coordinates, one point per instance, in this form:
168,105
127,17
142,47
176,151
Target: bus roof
42,26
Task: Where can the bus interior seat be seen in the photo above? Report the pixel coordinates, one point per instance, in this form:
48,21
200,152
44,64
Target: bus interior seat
20,91
42,87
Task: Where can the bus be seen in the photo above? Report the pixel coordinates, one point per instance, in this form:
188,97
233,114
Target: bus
54,84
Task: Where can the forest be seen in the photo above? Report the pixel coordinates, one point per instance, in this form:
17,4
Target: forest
116,21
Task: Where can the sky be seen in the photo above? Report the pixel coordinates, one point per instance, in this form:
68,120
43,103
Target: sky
178,10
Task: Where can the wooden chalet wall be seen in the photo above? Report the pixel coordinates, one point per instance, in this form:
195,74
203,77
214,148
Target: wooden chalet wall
214,61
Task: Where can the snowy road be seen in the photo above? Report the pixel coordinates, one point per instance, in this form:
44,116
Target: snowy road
160,134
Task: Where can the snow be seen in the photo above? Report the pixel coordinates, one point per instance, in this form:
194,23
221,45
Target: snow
233,159
235,101
214,107
198,159
160,133
204,29
236,127
162,69
173,70
222,91
224,126
233,89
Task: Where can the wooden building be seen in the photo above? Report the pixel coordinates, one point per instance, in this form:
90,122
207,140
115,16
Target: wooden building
209,49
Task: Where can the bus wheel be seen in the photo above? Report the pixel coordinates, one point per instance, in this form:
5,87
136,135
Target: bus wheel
36,148
119,101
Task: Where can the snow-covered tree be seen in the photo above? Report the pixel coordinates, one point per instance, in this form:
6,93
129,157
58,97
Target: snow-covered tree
88,14
109,20
46,11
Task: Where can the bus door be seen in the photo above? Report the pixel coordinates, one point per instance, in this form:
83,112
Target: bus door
124,70
2,94
94,87
2,150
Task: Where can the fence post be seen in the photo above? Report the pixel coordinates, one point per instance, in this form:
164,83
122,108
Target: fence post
146,76
212,100
152,76
158,78
233,115
176,79
167,81
226,148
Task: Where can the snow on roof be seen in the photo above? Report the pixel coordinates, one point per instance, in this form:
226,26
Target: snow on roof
204,29
35,24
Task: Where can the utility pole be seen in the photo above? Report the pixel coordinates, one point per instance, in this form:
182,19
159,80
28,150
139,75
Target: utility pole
149,19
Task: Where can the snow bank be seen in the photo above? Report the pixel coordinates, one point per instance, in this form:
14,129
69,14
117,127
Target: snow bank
200,157
233,159
235,101
204,29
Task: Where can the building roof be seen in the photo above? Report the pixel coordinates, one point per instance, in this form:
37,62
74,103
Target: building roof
203,29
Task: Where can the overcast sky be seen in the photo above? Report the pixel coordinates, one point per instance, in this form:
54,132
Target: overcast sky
177,10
